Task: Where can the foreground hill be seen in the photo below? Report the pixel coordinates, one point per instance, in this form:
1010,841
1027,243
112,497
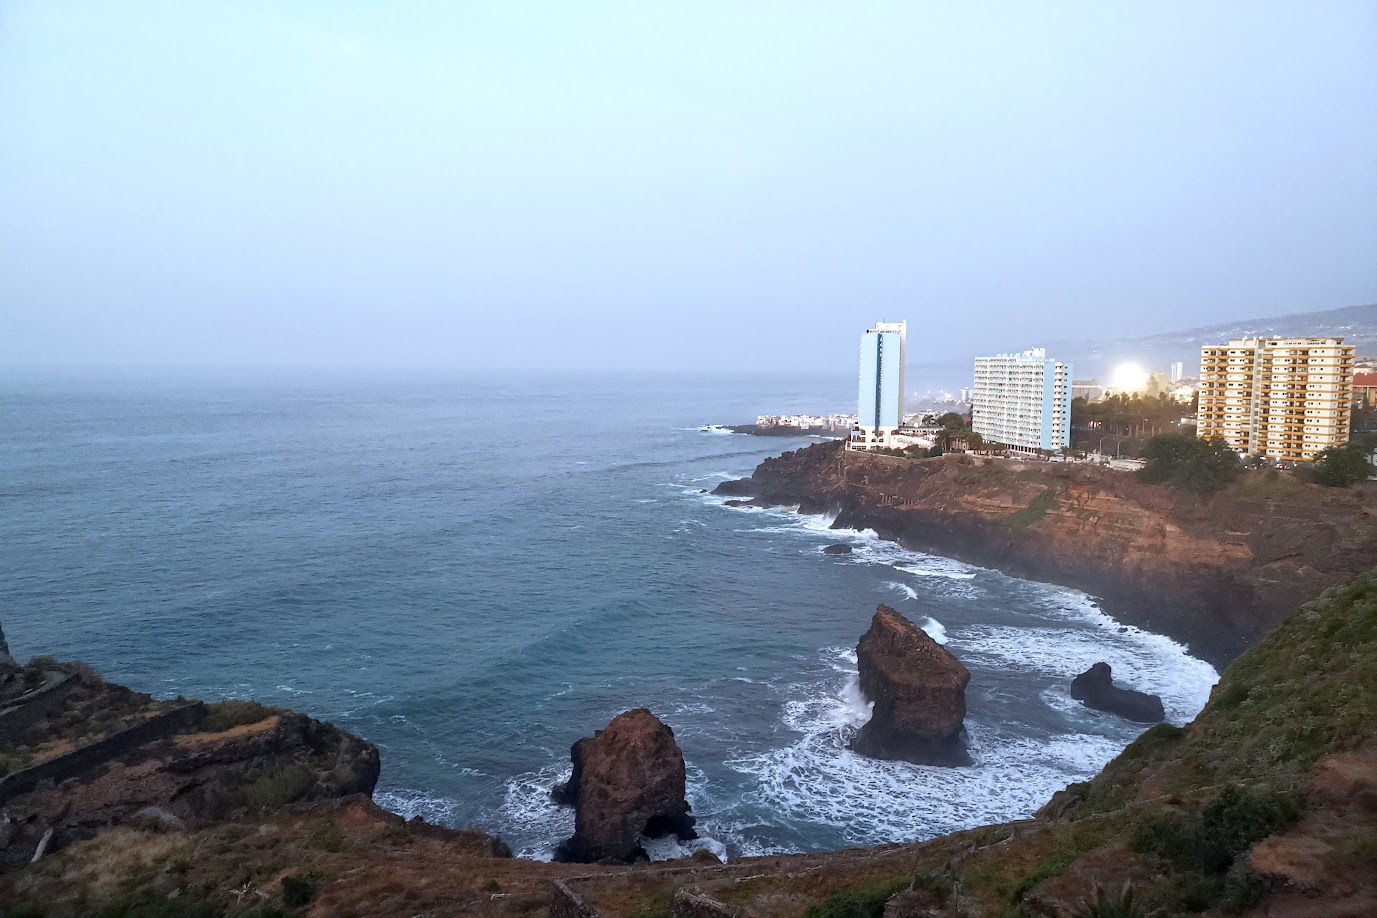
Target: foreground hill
1215,572
1265,805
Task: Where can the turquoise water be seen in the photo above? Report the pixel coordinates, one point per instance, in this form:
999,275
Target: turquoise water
473,572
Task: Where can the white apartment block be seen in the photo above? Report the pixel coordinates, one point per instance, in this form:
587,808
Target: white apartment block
1022,400
1282,398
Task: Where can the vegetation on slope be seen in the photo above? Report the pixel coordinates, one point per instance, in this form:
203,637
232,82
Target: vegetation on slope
1189,464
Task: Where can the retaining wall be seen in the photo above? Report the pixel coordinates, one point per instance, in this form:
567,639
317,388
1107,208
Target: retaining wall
91,756
26,710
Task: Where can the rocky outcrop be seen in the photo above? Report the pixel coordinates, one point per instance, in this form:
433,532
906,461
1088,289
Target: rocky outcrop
1216,573
7,662
918,691
838,549
104,756
1095,688
628,780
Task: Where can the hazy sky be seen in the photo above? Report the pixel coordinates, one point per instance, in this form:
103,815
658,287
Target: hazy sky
718,185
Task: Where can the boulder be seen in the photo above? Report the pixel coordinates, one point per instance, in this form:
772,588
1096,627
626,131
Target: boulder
1095,688
628,780
918,691
838,549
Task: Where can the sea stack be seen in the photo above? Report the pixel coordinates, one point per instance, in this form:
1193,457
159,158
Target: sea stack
918,690
628,780
1095,688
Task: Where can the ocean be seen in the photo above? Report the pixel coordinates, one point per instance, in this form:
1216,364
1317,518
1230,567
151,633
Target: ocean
473,571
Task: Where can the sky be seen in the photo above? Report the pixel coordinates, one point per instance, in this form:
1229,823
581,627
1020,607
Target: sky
644,185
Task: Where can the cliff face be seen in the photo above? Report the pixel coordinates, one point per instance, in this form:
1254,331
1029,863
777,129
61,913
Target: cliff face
1216,572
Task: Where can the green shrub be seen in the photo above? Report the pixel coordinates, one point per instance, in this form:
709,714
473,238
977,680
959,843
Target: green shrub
1045,870
327,837
1189,464
1123,904
298,890
860,902
1037,508
226,715
1341,466
147,902
1210,841
279,787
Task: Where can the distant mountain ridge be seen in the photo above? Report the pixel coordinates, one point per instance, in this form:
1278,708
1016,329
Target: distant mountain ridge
1357,325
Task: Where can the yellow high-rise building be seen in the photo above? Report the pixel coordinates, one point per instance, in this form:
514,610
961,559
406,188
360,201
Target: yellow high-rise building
1282,398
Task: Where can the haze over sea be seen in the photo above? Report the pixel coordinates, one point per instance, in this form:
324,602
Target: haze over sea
475,571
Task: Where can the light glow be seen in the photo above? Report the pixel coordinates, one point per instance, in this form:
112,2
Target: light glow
1129,377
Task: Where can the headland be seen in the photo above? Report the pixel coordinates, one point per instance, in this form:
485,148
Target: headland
1216,572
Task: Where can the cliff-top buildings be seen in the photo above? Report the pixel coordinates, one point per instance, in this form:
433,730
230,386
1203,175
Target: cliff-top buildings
1022,401
880,399
1283,398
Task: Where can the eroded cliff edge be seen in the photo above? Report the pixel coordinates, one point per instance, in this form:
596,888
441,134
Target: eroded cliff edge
1216,572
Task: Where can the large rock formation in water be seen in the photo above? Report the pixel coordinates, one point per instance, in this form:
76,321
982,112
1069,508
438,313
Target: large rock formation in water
628,780
919,694
1095,688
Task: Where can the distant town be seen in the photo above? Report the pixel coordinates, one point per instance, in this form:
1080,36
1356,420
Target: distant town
1278,400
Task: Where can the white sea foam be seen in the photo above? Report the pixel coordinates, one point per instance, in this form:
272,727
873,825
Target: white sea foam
907,591
1147,662
668,848
411,803
935,629
528,811
817,779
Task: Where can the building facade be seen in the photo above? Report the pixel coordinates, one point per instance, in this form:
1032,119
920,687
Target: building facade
1283,398
880,397
1023,401
1365,389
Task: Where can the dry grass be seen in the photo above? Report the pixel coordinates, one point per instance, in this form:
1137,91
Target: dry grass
193,740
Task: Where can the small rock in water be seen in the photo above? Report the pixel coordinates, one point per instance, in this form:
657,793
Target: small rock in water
837,549
1095,688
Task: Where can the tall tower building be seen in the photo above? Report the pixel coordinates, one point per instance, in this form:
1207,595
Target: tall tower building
880,398
1022,400
1282,398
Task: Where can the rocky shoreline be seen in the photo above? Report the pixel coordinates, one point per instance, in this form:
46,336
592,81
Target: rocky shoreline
239,810
1214,573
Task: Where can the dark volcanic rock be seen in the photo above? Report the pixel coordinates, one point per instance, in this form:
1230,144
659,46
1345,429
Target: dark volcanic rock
1095,688
736,502
628,780
919,694
741,487
838,549
6,661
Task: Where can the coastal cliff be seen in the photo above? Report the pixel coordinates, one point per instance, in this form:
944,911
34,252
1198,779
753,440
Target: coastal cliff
1216,573
1266,805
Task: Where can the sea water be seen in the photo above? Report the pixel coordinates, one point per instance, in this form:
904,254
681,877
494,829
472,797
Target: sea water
473,571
